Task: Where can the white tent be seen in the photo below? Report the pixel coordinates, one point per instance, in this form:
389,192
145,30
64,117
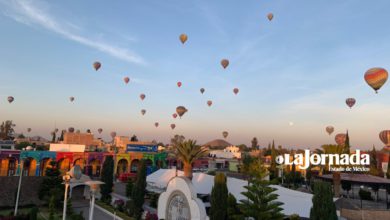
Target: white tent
295,202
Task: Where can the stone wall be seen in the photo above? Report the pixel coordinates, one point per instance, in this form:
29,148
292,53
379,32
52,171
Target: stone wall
365,214
28,193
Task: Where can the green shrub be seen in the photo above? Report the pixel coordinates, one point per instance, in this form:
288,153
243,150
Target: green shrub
33,213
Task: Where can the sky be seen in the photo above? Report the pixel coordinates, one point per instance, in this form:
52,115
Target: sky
294,72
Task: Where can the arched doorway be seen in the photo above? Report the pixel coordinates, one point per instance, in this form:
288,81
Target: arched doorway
134,166
45,162
64,165
8,166
94,168
122,166
80,162
29,166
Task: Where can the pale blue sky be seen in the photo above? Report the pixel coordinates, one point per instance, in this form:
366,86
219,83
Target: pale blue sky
299,68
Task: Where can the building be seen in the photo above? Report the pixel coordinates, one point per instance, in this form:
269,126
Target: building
7,145
86,139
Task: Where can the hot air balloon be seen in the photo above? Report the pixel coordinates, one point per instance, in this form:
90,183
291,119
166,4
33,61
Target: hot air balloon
71,98
100,130
183,38
29,130
225,63
142,96
350,102
71,129
113,134
180,110
202,90
225,134
173,126
97,65
329,129
156,124
10,99
143,111
126,79
385,137
340,139
376,77
236,90
56,130
174,115
88,130
270,16
179,84
209,103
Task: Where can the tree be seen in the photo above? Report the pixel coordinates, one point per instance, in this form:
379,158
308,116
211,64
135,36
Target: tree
323,205
233,212
134,138
177,139
62,135
374,162
138,191
53,134
129,187
21,136
347,147
219,197
52,207
7,130
22,145
346,186
51,185
260,202
187,152
273,169
334,149
254,143
108,179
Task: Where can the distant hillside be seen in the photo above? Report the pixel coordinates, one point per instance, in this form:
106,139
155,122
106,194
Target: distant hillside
217,144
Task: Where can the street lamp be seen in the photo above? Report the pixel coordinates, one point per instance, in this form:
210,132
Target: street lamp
94,185
75,173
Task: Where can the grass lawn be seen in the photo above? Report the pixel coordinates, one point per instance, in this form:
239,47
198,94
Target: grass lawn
111,209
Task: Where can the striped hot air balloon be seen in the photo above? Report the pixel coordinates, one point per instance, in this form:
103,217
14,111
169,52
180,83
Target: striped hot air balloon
340,139
350,102
376,77
385,137
329,129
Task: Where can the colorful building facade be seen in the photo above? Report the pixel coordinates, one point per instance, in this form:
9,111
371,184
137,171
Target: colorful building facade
34,163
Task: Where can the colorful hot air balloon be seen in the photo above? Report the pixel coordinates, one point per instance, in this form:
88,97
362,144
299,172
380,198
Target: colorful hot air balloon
180,110
100,130
209,102
142,96
270,16
71,129
173,126
236,90
329,129
126,79
340,139
71,98
376,77
10,99
179,84
202,90
156,124
350,102
183,38
143,111
174,115
225,63
113,134
29,130
385,137
97,65
225,134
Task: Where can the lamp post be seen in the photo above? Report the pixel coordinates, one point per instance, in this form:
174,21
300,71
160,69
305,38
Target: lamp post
94,185
75,173
21,164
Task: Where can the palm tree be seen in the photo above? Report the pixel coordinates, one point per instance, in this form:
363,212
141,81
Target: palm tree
334,149
187,152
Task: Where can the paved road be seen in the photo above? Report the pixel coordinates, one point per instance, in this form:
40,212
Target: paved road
83,205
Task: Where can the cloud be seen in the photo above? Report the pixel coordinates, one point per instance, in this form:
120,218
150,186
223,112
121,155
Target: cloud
24,11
